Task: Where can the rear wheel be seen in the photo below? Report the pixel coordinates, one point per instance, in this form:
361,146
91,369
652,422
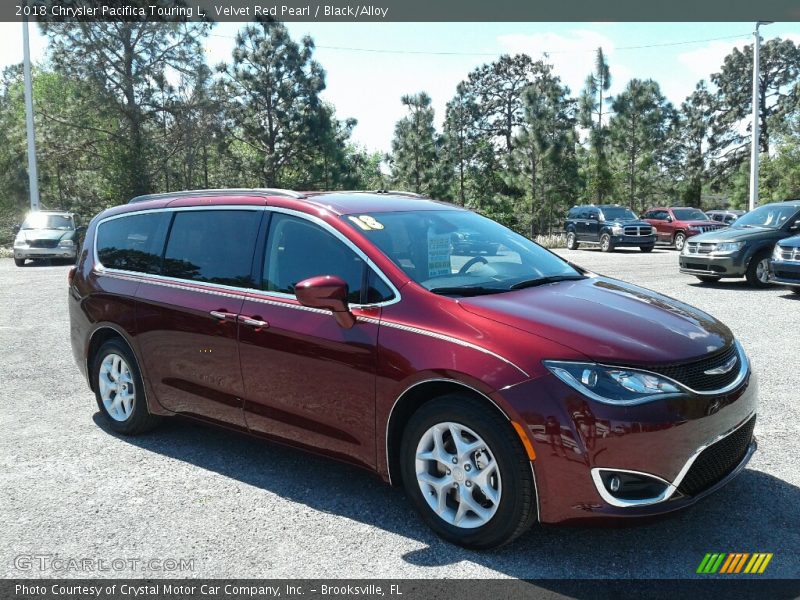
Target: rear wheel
572,241
757,273
679,241
708,278
119,389
605,243
466,473
20,262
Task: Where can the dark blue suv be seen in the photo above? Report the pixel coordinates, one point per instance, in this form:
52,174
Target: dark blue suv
608,226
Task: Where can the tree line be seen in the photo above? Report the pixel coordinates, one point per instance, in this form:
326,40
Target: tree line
124,109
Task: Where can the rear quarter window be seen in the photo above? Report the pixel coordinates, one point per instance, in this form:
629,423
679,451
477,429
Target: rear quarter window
132,242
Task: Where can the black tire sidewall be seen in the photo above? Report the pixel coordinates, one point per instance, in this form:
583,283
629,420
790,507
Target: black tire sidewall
571,241
750,274
609,247
515,472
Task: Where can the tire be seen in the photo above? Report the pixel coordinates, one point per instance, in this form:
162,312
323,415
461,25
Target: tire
115,368
508,508
758,270
605,243
795,290
708,278
646,248
20,262
679,241
572,241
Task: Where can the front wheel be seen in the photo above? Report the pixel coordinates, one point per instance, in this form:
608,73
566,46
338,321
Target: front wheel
680,241
795,290
20,262
119,389
646,248
466,473
757,273
605,243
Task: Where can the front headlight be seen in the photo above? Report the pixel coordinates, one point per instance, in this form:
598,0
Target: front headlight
66,244
727,247
653,231
776,253
612,385
617,229
19,241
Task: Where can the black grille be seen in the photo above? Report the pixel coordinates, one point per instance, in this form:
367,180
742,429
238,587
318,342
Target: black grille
693,374
43,243
718,460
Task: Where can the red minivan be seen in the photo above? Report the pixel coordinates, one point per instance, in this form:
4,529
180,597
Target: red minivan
499,390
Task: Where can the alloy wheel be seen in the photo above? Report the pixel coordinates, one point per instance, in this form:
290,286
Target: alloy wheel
458,475
117,390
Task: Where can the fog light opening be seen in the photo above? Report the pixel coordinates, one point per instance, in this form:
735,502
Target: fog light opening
614,484
631,486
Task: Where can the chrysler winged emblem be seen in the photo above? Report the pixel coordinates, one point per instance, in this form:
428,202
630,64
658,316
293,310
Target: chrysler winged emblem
723,368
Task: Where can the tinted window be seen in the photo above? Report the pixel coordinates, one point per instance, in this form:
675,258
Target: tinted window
689,214
215,246
133,243
770,216
618,212
39,220
298,249
573,213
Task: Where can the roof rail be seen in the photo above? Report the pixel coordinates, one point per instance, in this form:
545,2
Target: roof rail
218,192
401,193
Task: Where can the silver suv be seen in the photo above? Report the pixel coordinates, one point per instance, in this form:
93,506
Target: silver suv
47,234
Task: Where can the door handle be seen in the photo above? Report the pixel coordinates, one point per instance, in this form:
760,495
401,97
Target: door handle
223,315
253,322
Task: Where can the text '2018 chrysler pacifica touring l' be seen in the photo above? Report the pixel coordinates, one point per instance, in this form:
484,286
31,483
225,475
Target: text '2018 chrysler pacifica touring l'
499,389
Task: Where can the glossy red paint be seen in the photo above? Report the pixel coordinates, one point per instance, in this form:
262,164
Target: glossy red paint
668,229
284,368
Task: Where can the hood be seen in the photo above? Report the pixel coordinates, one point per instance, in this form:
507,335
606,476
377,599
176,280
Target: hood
793,242
739,234
607,320
701,223
624,222
47,234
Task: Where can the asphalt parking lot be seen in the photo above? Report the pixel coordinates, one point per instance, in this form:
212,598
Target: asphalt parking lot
239,507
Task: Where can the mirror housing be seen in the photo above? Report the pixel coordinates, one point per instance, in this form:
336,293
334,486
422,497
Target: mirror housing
327,292
15,229
669,219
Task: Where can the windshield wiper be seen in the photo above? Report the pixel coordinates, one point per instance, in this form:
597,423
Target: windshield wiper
544,280
466,291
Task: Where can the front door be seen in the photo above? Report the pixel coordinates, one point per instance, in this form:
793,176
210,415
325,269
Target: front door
307,380
187,318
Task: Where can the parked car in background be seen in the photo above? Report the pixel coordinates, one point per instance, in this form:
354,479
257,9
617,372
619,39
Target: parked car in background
726,217
743,249
675,224
485,385
784,268
608,226
473,242
47,234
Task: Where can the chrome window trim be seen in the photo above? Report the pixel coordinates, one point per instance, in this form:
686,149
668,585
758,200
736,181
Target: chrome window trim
671,487
102,269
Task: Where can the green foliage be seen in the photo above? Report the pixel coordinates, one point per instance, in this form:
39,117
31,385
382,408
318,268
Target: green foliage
415,147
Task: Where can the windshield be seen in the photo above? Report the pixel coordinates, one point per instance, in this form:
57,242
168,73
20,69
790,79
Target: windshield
612,213
460,252
689,214
770,216
45,221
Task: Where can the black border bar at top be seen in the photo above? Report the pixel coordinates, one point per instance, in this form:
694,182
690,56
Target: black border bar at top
401,10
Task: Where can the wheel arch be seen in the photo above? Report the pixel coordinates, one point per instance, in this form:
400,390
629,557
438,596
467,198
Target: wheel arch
99,337
410,400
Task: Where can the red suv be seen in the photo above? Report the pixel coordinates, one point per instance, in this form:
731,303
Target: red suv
674,225
499,390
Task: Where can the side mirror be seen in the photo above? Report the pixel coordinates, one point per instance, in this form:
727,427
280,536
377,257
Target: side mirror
80,230
795,226
327,292
15,229
668,219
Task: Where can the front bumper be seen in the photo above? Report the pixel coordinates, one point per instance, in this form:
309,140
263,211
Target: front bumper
731,265
633,240
574,437
783,272
21,252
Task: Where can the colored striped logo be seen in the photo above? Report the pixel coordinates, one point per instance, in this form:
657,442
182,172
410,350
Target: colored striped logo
734,562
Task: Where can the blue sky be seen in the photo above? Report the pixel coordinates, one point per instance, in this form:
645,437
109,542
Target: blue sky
371,65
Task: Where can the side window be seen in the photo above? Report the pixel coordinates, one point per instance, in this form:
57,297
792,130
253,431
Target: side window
573,213
298,249
377,289
133,243
215,246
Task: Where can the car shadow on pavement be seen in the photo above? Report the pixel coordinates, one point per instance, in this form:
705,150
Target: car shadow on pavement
731,284
756,512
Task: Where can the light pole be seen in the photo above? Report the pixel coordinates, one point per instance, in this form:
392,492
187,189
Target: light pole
754,145
33,175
